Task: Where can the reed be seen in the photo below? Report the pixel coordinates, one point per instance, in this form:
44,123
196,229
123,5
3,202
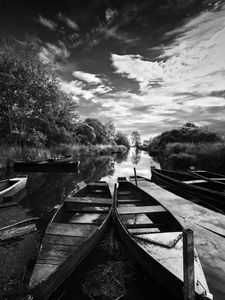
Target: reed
11,153
202,155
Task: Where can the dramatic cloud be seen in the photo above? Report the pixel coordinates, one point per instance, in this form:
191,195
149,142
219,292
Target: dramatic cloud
47,23
87,77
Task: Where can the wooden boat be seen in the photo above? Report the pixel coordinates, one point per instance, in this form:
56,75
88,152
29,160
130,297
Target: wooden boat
210,176
10,187
60,160
208,193
46,166
154,237
74,231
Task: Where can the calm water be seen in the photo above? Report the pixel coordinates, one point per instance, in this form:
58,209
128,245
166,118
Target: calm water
47,190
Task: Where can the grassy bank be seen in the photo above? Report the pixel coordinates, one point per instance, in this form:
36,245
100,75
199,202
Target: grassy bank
11,153
208,156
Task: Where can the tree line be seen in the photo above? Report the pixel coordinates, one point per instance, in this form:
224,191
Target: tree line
35,111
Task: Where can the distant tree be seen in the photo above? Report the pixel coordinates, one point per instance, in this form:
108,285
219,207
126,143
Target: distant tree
136,138
84,133
110,131
122,139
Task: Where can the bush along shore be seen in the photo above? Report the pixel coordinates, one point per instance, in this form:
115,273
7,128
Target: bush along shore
9,154
189,145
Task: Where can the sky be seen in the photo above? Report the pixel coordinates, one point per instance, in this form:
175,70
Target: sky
146,65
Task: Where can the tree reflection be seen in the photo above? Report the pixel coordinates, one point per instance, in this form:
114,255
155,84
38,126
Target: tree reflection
136,156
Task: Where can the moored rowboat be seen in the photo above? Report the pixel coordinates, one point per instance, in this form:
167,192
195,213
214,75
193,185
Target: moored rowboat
46,166
10,187
74,231
154,237
210,176
209,193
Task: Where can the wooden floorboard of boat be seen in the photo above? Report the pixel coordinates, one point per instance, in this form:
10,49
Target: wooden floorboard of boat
141,209
91,200
144,225
128,201
82,230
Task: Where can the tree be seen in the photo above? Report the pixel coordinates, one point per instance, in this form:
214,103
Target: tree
136,138
99,129
33,108
122,139
84,133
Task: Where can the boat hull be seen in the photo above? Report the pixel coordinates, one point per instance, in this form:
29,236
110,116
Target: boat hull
211,199
21,166
45,289
13,186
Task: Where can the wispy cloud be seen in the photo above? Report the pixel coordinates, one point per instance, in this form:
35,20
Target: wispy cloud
47,23
69,22
54,54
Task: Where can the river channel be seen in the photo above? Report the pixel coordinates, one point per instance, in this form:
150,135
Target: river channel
124,278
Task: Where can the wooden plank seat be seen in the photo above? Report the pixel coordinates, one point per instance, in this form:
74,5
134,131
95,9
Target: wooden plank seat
194,181
82,230
139,231
130,201
90,209
125,193
89,200
97,184
141,209
144,225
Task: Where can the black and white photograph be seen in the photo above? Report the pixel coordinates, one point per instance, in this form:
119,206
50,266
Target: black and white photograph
112,150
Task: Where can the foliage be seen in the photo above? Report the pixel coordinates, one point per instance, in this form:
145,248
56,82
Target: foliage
122,139
34,110
99,130
188,133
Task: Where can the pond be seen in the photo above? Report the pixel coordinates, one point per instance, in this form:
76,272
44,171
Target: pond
126,279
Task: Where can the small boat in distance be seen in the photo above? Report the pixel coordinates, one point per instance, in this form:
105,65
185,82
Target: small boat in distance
76,228
47,166
210,194
10,187
154,237
210,176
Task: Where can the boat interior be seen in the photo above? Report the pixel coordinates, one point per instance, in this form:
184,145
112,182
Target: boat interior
90,205
142,214
194,180
6,184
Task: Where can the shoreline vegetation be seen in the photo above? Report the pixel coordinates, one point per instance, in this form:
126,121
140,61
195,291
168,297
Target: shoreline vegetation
188,145
39,119
9,154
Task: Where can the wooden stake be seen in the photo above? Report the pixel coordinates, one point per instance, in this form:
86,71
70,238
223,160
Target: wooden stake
188,264
135,176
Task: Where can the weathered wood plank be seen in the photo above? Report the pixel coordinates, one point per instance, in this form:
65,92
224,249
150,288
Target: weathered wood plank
63,240
82,230
194,181
15,232
144,225
129,201
141,209
97,184
143,230
89,200
90,209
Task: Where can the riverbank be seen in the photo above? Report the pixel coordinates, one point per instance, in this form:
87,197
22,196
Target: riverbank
11,153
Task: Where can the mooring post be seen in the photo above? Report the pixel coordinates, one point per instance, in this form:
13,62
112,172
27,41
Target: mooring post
135,176
188,264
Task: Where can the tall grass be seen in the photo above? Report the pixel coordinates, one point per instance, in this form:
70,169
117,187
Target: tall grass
202,155
11,153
